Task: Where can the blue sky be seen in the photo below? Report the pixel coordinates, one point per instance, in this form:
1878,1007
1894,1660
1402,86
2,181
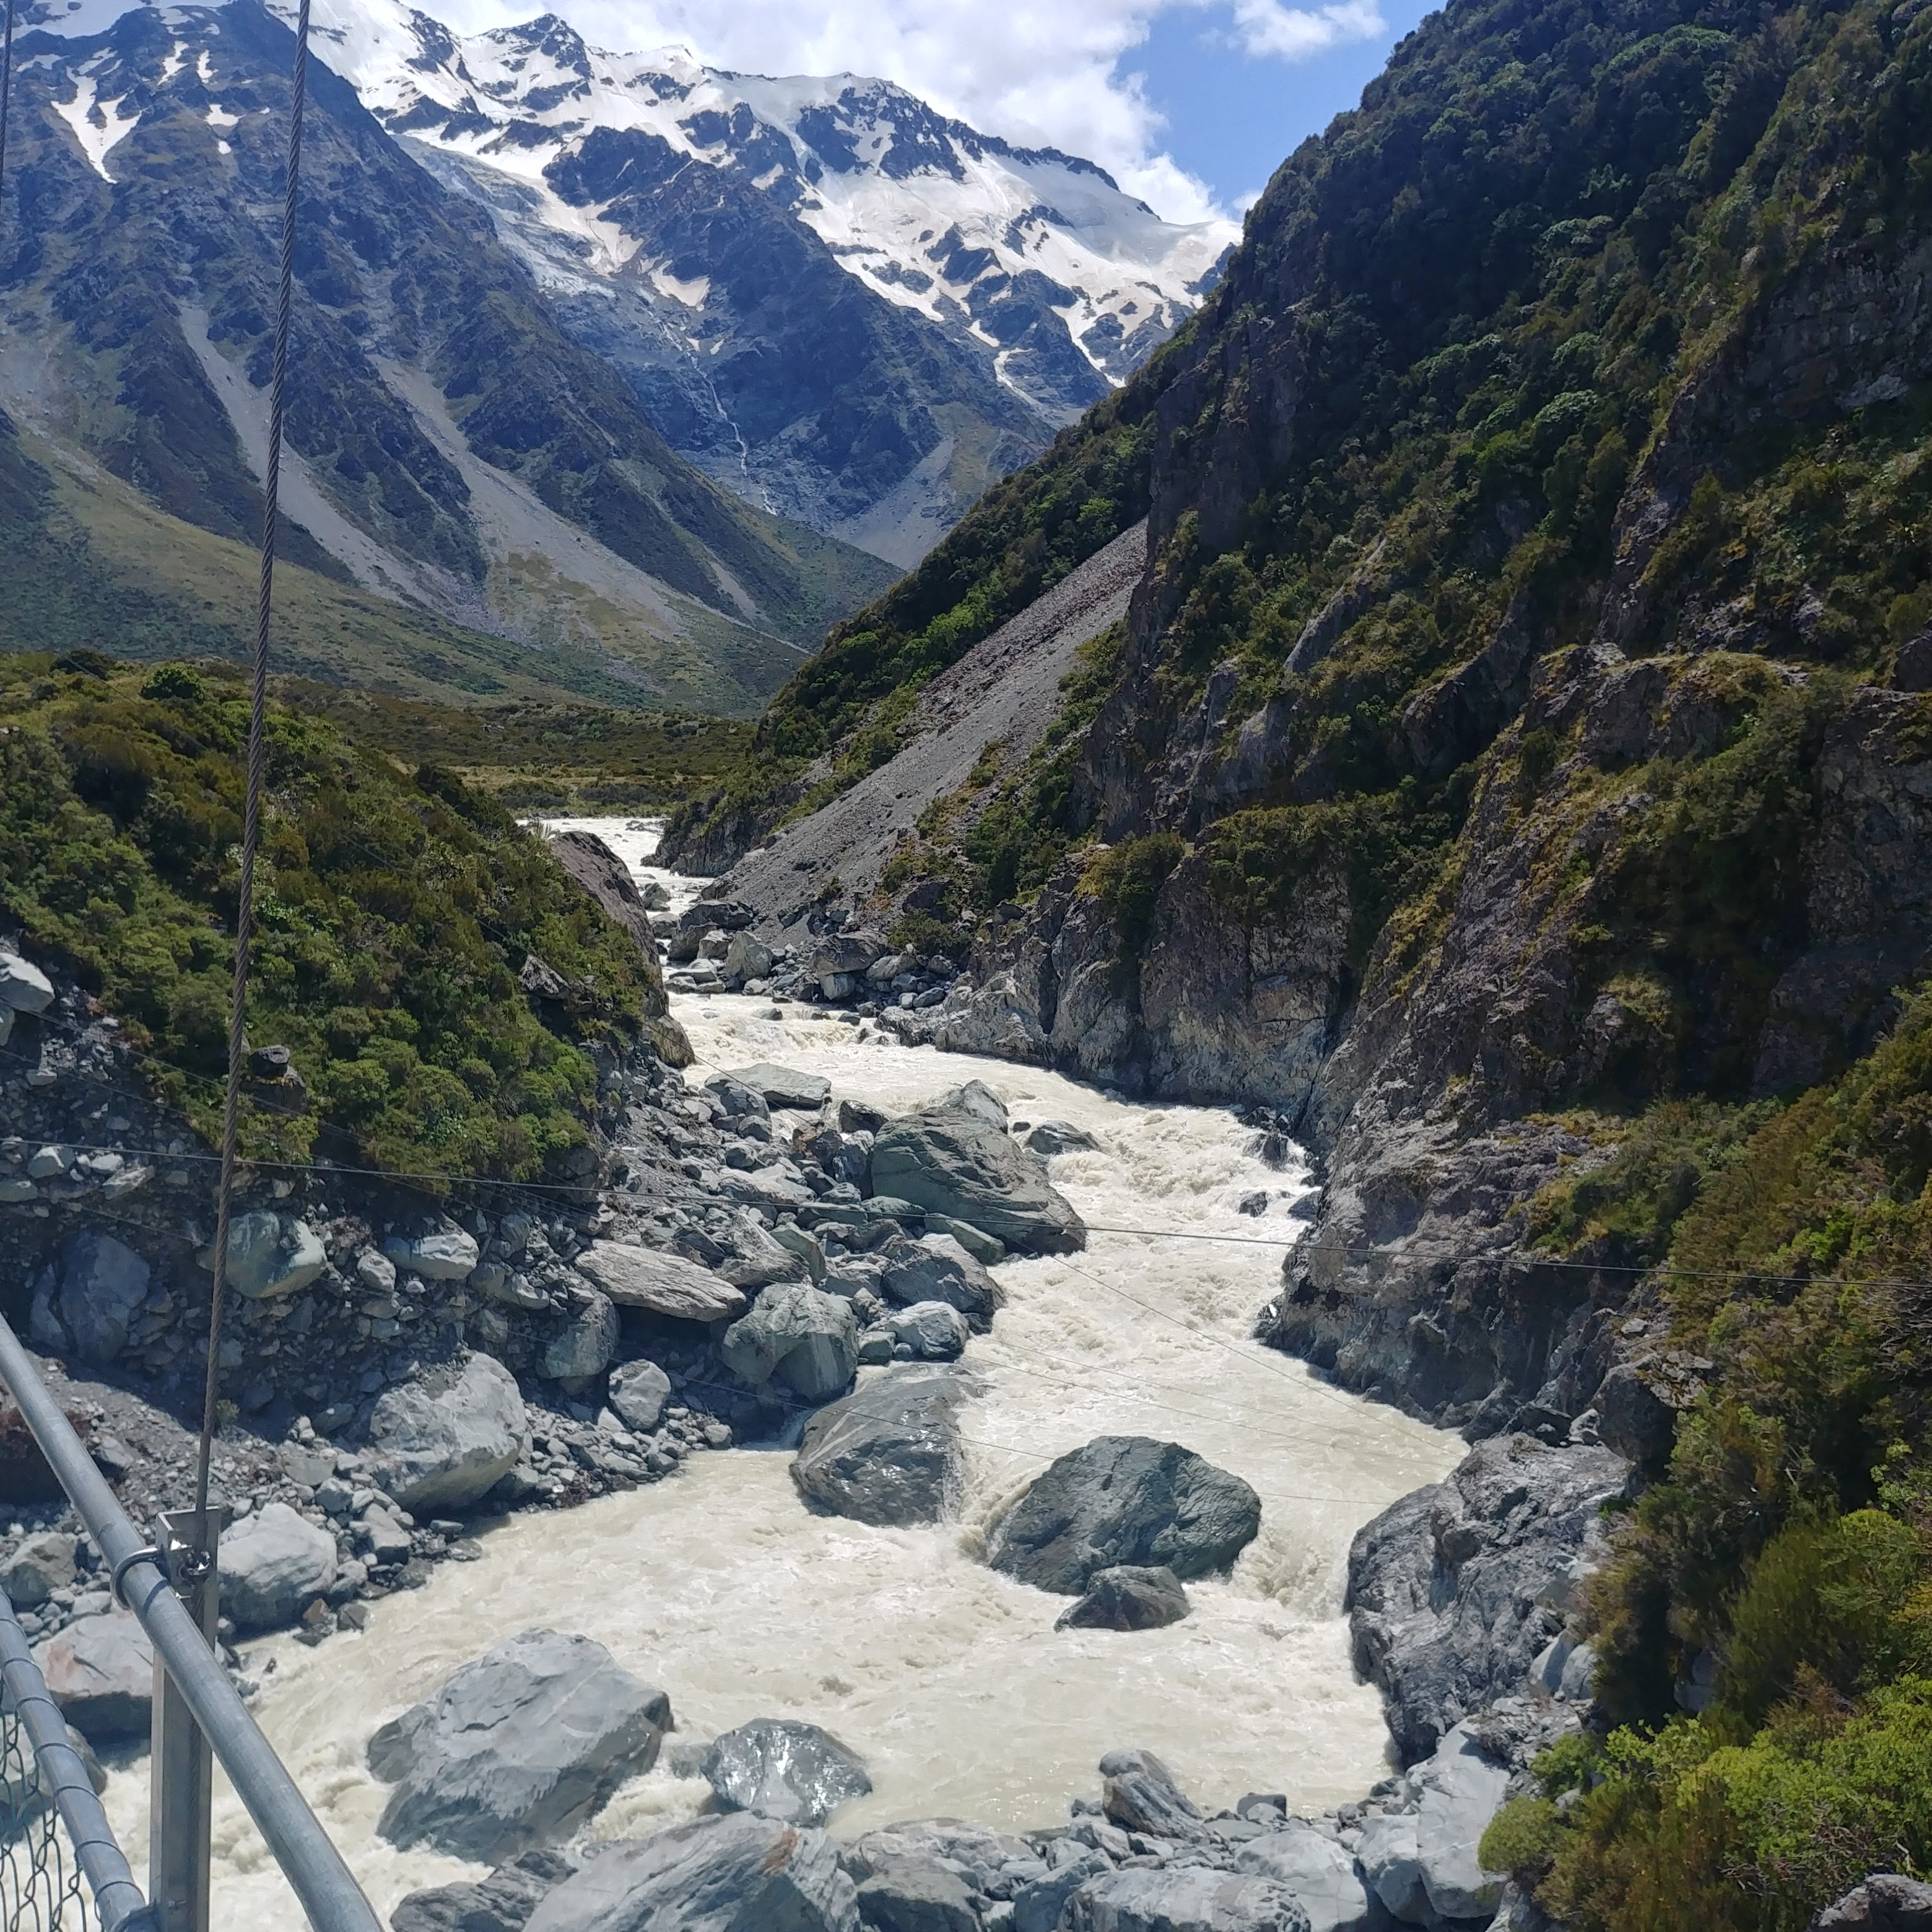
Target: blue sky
1231,116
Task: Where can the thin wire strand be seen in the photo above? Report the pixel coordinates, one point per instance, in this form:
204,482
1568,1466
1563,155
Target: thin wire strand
251,823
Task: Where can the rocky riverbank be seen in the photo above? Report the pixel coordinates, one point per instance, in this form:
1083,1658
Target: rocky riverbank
735,1258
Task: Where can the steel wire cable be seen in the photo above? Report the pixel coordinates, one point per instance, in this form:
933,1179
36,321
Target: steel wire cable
251,823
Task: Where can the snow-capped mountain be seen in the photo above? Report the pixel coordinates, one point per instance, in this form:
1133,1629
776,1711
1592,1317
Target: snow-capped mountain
695,227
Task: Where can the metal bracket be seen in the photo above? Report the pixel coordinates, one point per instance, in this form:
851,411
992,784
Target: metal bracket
180,1792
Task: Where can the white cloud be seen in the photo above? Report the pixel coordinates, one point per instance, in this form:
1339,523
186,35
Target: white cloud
1266,27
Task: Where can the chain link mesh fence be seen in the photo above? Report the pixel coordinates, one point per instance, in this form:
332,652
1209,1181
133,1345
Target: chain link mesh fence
40,1888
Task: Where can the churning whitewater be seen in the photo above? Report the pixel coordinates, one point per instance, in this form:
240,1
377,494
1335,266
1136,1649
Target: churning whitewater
948,1679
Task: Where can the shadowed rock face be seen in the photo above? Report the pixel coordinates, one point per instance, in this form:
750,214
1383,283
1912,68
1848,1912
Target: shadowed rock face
1125,1499
1454,1591
516,1750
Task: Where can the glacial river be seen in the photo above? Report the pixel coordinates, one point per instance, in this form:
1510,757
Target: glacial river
950,1681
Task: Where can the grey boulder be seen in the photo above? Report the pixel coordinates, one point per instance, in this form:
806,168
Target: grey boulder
24,988
955,1158
914,1894
739,1873
1053,1137
1462,1791
41,1565
101,1671
444,1450
782,1086
516,1750
1319,1872
930,1331
1455,1592
444,1254
635,1277
273,1563
1038,1905
269,1255
1886,1902
501,1903
583,1346
809,1340
1125,1499
1386,1853
783,1769
639,1392
1127,1598
102,1283
1188,1899
1139,1793
757,1261
891,1454
939,1268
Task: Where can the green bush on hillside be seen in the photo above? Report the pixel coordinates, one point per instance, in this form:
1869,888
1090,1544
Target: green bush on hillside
394,913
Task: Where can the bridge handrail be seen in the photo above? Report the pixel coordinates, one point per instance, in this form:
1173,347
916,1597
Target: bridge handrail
314,1868
118,1902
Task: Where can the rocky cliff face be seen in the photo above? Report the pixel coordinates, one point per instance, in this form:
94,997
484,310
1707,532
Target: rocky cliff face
1519,727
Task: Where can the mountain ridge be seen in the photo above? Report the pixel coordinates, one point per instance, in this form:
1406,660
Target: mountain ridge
519,489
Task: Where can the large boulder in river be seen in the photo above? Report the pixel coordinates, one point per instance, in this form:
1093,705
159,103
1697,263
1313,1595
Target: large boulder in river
1190,1898
955,1158
1128,1596
809,1340
635,1277
516,1750
890,1454
1125,1499
1139,1793
274,1564
101,1671
783,1769
442,1448
938,1268
739,1873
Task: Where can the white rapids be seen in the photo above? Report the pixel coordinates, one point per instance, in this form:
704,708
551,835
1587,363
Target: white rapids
949,1680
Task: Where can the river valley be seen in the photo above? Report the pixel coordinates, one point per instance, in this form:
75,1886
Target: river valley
949,1680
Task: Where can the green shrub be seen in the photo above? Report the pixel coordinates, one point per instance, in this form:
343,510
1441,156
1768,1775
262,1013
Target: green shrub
394,915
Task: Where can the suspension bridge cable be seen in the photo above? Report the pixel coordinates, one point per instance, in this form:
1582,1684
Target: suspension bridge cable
251,822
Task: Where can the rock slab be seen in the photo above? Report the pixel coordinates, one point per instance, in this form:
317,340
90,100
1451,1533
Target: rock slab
1125,1499
739,1873
516,1750
446,1450
889,1455
955,1158
635,1277
782,1769
501,1903
1455,1592
782,1086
